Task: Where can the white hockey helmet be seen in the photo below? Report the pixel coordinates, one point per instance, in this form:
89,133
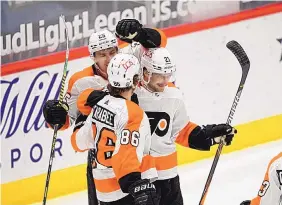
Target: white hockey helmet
101,40
121,70
158,60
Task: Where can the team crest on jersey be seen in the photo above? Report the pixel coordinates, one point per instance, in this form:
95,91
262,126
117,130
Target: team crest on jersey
103,115
159,122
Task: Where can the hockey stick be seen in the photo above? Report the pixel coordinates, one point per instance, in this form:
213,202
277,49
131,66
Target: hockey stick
244,61
61,96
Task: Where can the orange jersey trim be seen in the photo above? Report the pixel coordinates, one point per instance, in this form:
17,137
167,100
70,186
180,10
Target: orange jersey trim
166,162
81,101
107,185
184,134
78,75
148,162
170,84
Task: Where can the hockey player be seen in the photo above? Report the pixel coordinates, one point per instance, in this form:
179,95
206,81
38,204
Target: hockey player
102,47
170,124
119,130
165,107
270,192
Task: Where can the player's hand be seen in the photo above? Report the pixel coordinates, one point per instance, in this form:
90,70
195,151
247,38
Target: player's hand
55,113
224,131
128,29
143,192
247,202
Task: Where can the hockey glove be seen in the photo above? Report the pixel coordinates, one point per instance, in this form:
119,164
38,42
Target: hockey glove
143,192
216,132
128,30
247,202
54,113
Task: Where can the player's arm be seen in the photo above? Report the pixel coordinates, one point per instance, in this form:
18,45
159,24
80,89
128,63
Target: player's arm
189,134
82,138
130,30
129,151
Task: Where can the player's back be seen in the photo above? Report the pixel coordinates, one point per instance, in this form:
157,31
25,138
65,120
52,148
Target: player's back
120,134
163,110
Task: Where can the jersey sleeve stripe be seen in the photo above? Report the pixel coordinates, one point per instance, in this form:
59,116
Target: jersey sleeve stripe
107,185
148,162
183,135
79,75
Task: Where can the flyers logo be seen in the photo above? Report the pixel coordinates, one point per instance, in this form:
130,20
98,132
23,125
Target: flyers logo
126,65
159,122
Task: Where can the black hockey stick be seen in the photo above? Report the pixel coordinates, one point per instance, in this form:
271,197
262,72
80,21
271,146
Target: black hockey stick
244,61
61,96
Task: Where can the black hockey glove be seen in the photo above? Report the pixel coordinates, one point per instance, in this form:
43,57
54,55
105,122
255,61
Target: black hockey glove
54,113
215,132
95,97
126,28
247,202
143,192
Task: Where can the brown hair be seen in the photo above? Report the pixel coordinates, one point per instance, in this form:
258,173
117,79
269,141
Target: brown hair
117,91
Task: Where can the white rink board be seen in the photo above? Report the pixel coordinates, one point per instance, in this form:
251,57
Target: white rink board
207,72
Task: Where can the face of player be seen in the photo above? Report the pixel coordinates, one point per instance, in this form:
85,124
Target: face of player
157,82
102,59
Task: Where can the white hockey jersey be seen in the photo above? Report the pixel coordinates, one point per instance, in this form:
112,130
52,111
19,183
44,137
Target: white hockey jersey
169,124
88,78
270,192
119,131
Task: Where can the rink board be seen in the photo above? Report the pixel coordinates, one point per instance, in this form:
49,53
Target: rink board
73,179
24,180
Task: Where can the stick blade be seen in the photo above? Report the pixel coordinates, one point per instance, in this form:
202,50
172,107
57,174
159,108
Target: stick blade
240,54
